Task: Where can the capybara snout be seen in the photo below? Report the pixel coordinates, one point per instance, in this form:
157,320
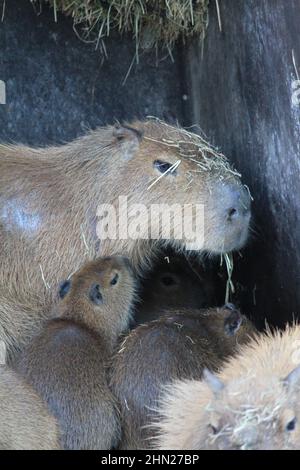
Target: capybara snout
228,212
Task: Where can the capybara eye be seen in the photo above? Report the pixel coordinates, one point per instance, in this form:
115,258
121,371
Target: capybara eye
95,294
291,426
213,429
114,280
232,323
163,166
64,288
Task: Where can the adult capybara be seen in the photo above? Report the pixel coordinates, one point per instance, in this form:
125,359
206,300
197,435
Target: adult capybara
174,281
25,422
67,361
252,404
61,206
177,346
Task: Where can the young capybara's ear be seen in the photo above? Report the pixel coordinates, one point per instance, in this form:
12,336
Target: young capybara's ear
95,294
214,383
64,288
129,138
293,379
233,321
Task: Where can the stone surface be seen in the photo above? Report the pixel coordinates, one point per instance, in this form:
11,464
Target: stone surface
241,91
57,86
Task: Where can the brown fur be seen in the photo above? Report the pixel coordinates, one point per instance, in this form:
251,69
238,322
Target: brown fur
25,422
180,345
49,199
174,282
67,362
253,409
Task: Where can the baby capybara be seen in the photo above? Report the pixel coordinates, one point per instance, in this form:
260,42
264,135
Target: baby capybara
67,362
178,345
252,404
175,281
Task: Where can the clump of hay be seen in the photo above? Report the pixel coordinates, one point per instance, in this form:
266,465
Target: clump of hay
193,147
151,22
229,284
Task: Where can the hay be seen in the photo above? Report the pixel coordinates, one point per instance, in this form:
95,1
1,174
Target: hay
169,170
229,284
151,22
3,10
195,148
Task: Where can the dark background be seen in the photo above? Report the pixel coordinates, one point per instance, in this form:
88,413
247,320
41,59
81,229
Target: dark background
241,92
238,88
57,86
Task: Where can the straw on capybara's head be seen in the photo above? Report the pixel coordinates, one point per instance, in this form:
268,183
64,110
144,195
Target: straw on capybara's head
178,171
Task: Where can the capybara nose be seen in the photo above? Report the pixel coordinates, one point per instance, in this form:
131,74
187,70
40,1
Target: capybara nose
238,203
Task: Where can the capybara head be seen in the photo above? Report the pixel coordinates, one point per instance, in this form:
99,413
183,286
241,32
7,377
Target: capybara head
174,281
254,414
227,326
229,323
100,294
244,414
253,403
174,172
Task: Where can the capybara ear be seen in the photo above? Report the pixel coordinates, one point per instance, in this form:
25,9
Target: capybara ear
214,383
129,138
95,294
232,323
293,379
64,288
122,132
